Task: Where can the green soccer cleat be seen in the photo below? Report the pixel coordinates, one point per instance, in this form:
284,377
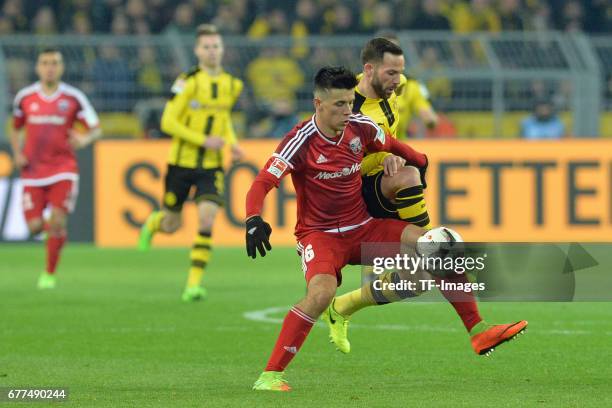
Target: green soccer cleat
338,328
271,381
145,238
46,281
194,293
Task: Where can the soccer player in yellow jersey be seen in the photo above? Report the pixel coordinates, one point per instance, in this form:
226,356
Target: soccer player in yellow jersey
198,117
392,190
413,99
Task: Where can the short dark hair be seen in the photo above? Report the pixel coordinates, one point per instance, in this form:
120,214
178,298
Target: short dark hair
206,29
374,50
49,50
334,78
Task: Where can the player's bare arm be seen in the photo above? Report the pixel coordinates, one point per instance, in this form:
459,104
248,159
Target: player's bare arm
19,158
237,153
429,117
79,140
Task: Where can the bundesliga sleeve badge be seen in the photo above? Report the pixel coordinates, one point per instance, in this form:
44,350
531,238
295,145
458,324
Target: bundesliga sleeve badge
277,168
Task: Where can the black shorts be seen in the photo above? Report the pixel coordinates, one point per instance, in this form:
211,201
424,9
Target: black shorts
378,206
209,185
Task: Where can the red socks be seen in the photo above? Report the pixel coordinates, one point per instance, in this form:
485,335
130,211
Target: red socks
463,302
54,247
296,327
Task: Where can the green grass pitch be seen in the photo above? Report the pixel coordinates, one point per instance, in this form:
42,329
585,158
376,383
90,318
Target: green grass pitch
117,335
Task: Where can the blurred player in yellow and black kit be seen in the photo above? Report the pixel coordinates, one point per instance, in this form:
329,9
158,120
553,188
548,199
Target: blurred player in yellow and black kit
198,117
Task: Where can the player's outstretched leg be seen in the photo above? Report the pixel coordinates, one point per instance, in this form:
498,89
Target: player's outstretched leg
149,228
295,329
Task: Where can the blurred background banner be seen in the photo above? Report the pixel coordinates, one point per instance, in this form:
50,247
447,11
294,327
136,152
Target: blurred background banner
488,190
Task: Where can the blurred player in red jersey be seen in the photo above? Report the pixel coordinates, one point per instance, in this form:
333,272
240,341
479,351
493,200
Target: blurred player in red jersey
47,111
323,156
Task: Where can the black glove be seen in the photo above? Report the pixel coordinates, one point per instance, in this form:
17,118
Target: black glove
422,171
257,236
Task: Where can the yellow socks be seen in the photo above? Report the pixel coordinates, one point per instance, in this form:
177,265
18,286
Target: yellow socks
353,301
154,221
200,255
372,294
411,206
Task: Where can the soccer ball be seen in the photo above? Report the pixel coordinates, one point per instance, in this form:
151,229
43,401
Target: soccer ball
439,242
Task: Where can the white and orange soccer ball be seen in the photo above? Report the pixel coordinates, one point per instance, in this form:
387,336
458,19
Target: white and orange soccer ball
438,241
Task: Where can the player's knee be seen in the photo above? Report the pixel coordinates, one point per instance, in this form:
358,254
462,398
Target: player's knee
206,222
172,226
407,176
57,226
171,222
207,212
321,298
35,226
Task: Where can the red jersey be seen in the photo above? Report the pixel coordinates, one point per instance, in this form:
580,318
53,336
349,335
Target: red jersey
47,120
325,173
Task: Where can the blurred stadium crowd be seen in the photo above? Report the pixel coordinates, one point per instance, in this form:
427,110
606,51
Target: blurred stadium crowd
131,75
302,17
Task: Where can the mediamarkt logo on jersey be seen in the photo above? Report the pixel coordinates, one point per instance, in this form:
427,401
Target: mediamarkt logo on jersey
46,119
323,175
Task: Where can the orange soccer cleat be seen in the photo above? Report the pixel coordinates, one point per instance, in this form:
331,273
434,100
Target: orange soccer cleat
486,341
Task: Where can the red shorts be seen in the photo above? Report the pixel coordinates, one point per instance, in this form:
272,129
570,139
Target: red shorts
328,252
62,195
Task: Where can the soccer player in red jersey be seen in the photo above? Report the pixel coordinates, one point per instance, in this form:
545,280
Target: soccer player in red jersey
47,111
323,156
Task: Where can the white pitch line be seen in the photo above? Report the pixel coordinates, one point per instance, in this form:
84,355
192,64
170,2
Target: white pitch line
264,316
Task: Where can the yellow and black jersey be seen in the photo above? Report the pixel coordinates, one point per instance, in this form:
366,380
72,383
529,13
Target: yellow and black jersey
385,112
201,106
390,114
